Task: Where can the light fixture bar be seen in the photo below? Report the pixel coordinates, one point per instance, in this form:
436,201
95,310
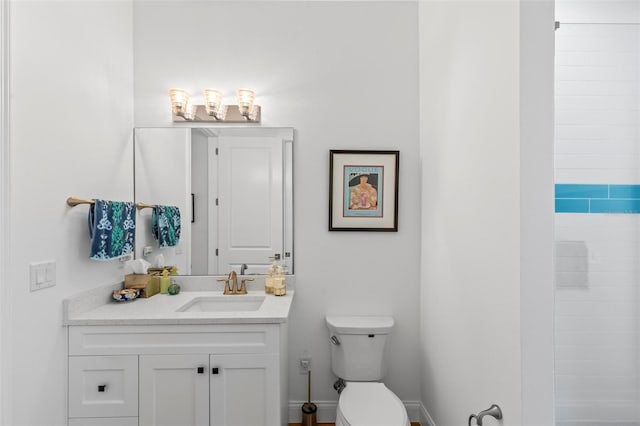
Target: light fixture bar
233,115
213,109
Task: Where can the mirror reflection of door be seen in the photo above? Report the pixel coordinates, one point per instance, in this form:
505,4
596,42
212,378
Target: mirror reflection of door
250,211
234,188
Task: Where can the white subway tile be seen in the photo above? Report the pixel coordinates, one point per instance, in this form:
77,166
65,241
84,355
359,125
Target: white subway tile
597,256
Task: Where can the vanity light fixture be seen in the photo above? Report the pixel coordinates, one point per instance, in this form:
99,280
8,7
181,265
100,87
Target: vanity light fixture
245,102
213,109
190,111
179,100
213,103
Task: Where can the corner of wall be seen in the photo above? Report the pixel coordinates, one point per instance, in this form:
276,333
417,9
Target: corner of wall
536,210
5,317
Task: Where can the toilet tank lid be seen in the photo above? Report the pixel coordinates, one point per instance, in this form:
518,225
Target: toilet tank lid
360,324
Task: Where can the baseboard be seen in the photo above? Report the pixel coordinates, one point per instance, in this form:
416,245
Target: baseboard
425,417
327,412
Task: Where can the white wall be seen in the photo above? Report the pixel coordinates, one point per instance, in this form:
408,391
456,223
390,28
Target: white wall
5,366
344,75
200,187
470,151
162,176
71,134
536,210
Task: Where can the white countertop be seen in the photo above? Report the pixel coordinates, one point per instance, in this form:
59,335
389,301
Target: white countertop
94,308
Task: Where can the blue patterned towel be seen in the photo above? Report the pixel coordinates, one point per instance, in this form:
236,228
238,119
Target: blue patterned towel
112,228
165,225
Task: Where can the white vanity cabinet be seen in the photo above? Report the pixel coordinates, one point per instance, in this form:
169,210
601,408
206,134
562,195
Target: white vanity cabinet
174,390
155,375
242,391
103,387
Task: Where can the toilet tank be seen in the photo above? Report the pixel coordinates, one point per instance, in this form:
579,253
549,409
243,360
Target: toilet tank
357,346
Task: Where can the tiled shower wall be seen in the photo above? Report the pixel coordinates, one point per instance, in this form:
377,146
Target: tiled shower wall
597,155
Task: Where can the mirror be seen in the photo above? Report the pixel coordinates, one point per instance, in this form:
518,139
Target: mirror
234,189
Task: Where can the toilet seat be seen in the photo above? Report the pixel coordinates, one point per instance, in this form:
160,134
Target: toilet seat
370,404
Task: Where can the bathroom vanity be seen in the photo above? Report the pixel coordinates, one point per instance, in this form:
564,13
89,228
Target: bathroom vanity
196,358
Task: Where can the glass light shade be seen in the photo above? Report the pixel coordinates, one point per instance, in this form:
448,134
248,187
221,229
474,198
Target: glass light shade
190,111
179,100
212,101
245,100
222,112
253,113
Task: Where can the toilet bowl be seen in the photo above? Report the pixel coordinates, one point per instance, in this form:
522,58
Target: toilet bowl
370,404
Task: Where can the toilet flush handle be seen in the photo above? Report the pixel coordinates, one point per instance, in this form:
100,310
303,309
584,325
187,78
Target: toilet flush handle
335,340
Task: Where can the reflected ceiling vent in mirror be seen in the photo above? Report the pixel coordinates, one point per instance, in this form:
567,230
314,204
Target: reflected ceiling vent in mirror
213,110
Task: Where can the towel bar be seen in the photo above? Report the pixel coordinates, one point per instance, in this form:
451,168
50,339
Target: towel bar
141,206
73,201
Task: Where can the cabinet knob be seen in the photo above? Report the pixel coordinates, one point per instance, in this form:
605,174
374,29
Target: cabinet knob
102,388
214,370
200,370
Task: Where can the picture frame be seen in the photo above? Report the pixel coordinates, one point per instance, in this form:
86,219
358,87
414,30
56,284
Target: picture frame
363,190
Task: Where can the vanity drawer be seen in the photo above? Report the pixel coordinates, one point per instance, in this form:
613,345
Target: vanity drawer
174,339
103,386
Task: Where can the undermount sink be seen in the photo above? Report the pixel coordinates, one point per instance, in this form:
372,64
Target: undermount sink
231,303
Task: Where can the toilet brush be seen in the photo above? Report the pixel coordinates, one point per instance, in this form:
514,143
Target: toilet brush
309,409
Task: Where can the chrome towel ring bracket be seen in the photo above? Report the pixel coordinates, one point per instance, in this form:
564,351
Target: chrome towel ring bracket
494,411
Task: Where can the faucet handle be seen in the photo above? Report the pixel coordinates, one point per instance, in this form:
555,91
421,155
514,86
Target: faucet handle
243,285
227,289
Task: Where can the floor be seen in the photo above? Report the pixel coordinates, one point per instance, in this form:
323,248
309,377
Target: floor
333,424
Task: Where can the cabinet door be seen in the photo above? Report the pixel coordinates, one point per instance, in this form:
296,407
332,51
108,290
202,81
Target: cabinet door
245,390
103,386
174,390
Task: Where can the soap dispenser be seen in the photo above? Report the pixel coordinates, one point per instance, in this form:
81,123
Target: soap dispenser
269,280
279,281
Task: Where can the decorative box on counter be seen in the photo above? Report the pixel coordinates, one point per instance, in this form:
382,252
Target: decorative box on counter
173,270
148,284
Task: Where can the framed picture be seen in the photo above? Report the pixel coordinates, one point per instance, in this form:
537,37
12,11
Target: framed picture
363,190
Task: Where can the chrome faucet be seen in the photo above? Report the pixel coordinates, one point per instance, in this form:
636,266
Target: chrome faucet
233,288
243,268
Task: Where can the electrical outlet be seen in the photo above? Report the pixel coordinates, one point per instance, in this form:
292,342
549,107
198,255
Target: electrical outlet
305,365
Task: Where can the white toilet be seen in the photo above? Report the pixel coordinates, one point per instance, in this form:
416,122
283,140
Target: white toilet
357,357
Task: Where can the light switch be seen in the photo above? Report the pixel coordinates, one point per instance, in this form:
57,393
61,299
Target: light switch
42,275
50,272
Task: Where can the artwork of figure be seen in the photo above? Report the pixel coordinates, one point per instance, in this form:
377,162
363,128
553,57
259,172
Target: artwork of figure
364,196
363,190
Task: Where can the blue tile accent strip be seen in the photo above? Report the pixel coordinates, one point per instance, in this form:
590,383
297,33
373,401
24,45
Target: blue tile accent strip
572,206
589,198
582,191
625,191
615,206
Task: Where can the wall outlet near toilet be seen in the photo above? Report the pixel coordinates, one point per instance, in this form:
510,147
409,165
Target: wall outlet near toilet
305,365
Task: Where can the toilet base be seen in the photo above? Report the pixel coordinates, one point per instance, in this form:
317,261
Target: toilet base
370,404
